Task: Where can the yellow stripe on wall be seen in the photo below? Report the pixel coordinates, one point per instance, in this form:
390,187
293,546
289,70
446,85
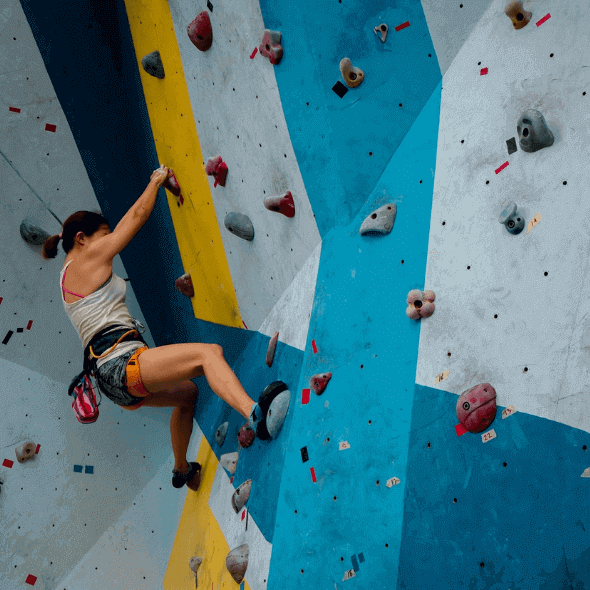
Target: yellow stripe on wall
177,144
200,535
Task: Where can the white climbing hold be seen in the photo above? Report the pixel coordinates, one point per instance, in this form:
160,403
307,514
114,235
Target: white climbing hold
380,221
229,461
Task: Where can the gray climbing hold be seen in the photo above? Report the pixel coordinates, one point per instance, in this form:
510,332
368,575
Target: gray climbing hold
229,461
237,562
241,495
509,217
533,133
152,64
221,433
277,413
240,225
380,221
33,234
194,564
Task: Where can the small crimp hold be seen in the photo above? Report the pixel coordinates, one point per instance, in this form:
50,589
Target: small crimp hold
271,47
184,284
277,413
241,495
509,217
284,204
319,382
200,31
217,168
352,76
152,64
194,564
518,15
229,461
32,234
420,304
476,407
172,183
240,225
381,31
25,452
221,433
533,133
237,562
380,221
246,436
272,346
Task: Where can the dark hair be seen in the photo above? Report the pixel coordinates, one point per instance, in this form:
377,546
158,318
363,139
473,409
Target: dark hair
86,222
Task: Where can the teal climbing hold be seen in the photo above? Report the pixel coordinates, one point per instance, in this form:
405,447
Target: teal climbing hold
240,225
152,64
277,413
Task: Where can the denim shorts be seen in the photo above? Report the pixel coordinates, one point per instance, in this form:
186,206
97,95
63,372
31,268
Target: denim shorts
111,378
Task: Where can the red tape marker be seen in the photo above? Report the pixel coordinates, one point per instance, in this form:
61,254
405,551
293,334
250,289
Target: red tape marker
484,71
13,110
243,514
254,53
243,322
231,480
181,200
402,26
29,324
1,299
544,19
31,579
50,127
460,430
37,451
305,394
313,477
7,463
315,348
498,170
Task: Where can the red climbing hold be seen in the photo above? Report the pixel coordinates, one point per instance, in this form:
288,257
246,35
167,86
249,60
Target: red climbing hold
284,204
172,184
319,382
272,346
476,407
200,31
271,47
184,284
246,436
217,168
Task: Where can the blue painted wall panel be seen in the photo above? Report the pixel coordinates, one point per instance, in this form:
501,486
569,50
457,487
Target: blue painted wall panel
365,339
332,137
528,523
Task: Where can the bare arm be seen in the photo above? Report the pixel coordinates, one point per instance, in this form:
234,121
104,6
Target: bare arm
145,204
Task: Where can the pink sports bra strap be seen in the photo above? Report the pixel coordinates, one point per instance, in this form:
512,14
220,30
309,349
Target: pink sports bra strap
67,290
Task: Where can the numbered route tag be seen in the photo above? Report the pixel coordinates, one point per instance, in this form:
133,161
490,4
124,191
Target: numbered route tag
349,574
489,435
441,377
392,482
533,222
508,412
343,446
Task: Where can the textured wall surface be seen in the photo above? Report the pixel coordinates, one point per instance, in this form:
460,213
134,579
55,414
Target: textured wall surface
95,509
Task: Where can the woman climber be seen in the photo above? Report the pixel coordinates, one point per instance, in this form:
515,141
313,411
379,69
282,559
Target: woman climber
127,371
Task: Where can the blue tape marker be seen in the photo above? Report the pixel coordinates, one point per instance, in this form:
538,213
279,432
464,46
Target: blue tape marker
361,558
242,586
355,563
89,469
77,468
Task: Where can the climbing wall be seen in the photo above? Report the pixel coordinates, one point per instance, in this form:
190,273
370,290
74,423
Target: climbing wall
371,484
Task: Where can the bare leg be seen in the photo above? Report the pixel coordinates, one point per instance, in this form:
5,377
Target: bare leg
181,428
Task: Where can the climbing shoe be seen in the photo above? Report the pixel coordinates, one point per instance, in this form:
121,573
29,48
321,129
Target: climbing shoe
180,479
259,413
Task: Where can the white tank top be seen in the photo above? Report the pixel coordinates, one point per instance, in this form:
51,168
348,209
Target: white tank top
105,307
